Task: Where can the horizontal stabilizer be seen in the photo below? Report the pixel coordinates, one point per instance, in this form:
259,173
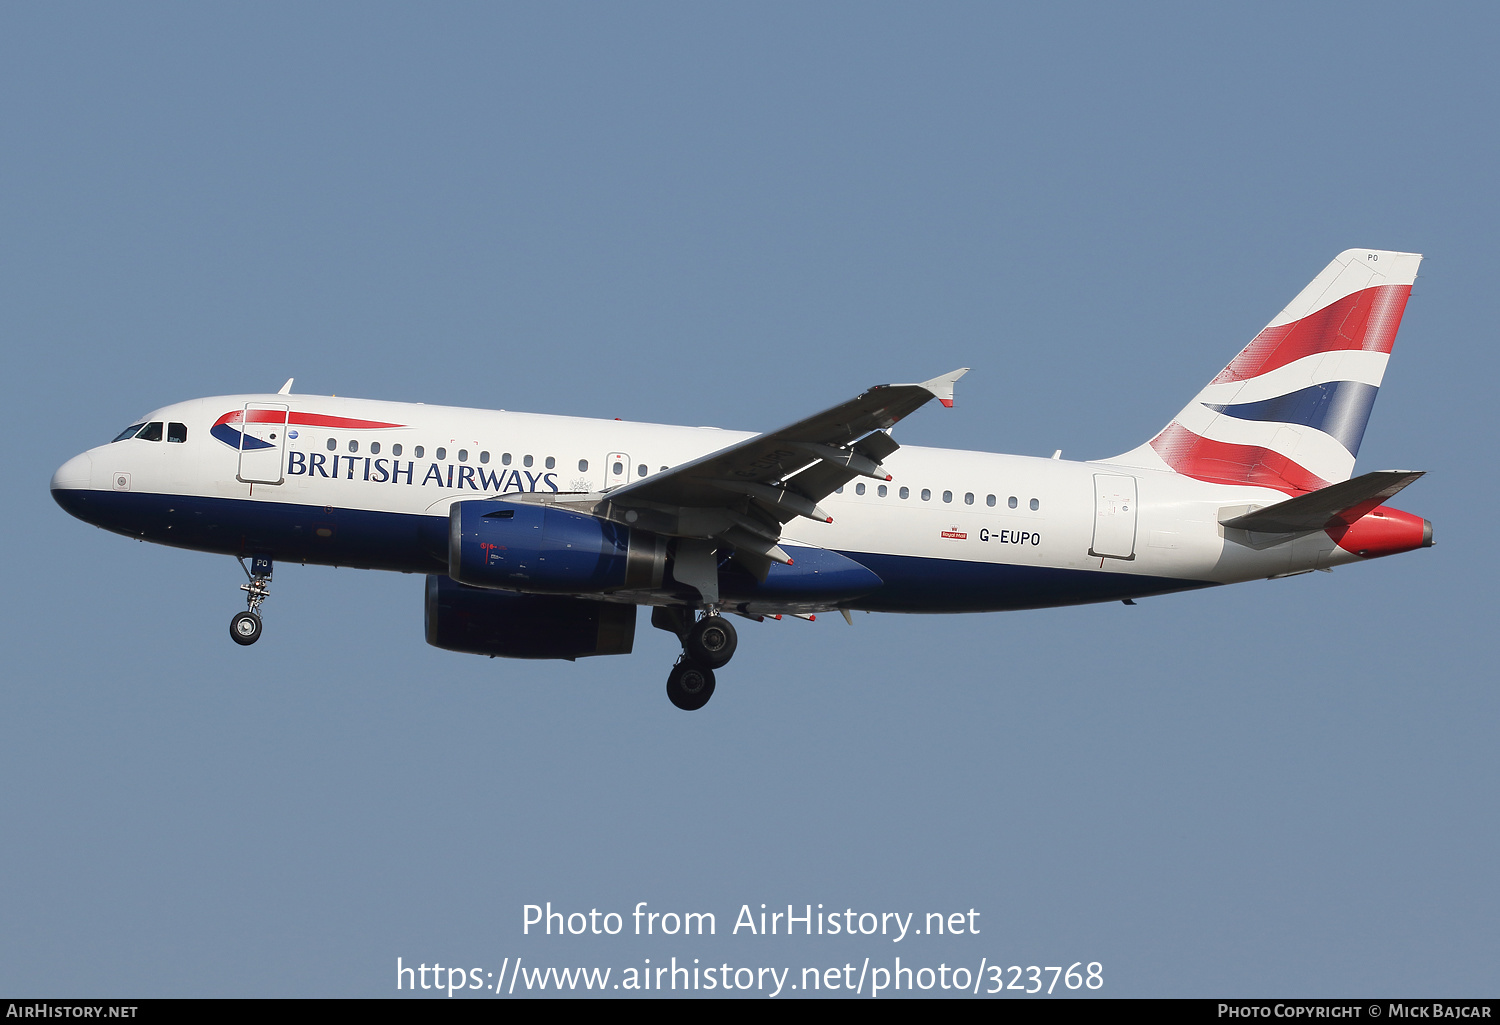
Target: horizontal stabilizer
1345,502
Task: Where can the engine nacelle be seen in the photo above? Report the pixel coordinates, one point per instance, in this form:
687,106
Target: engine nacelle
485,622
546,550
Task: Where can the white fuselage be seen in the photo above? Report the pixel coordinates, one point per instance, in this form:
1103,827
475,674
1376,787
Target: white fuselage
1147,530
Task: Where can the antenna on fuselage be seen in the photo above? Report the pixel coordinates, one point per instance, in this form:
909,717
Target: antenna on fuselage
286,389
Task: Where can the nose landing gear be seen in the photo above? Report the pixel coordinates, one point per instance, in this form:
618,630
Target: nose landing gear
707,644
245,626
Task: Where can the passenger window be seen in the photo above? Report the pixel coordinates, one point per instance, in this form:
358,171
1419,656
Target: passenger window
484,457
968,498
396,449
926,494
640,471
128,432
463,455
1035,505
989,500
662,470
618,469
526,461
178,433
353,445
418,452
374,448
333,444
881,491
1011,501
838,491
151,432
583,466
552,463
947,496
504,458
859,489
906,492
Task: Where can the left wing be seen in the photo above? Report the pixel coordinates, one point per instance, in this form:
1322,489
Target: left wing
741,495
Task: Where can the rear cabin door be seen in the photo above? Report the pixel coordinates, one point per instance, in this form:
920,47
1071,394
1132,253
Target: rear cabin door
1114,516
616,470
262,443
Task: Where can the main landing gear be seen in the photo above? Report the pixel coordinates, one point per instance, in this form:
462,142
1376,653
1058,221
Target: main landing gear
707,644
689,685
245,626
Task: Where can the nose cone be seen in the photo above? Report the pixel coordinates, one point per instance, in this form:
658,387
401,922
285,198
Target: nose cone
70,484
74,474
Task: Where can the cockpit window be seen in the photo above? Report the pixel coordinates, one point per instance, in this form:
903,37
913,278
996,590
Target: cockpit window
128,432
151,432
177,433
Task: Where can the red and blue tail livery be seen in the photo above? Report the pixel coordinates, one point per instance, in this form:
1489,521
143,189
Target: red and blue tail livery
1290,410
542,536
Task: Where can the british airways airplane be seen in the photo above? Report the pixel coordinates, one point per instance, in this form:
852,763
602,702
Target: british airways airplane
540,535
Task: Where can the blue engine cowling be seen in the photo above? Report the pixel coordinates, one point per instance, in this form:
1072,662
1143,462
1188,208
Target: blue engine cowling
546,550
485,622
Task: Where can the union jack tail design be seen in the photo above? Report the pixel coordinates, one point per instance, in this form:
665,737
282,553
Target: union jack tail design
1289,411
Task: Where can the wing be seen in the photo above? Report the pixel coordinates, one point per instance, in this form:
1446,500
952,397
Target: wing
810,458
741,496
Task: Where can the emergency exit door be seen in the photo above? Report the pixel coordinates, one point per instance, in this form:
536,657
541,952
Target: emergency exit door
616,470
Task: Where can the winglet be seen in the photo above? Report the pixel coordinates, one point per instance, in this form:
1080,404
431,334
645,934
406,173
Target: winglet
942,387
286,389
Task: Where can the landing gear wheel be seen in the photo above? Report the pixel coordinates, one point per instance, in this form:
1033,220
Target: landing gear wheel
711,642
689,685
245,628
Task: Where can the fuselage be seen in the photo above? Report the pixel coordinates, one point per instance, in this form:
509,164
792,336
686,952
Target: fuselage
367,483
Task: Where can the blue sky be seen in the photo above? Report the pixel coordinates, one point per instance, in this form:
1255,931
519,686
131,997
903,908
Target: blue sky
737,215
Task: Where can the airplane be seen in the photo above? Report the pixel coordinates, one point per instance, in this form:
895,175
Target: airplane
539,536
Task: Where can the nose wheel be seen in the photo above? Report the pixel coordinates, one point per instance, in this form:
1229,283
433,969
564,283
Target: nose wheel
245,627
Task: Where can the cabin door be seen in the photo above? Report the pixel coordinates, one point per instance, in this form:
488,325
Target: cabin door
1114,516
262,443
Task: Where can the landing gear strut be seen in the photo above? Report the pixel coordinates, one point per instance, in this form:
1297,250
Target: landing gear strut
245,626
707,644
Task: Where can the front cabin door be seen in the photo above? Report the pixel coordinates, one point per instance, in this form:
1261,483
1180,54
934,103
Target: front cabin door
262,443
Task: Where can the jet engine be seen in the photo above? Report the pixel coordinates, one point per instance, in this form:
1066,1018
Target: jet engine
479,621
546,550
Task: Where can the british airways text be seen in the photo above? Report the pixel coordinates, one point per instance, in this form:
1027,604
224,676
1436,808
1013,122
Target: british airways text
394,471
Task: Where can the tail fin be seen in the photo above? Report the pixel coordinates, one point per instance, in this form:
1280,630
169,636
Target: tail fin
1289,411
